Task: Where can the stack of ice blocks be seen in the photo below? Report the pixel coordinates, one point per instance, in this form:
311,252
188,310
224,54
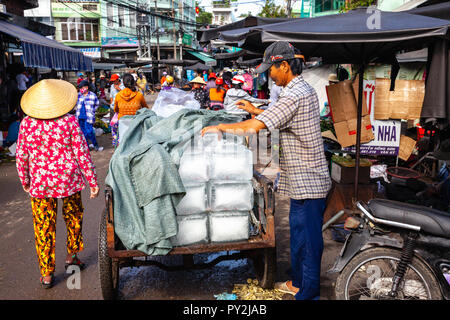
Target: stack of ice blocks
219,193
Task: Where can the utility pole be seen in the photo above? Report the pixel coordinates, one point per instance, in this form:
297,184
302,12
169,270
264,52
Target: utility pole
181,9
174,32
157,33
143,34
289,8
158,52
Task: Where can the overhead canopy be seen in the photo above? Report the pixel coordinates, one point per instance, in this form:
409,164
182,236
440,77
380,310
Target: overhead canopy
107,66
245,54
41,52
441,11
340,38
204,57
248,63
357,36
175,62
205,35
198,66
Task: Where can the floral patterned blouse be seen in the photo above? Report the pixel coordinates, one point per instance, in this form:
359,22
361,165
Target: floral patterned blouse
51,156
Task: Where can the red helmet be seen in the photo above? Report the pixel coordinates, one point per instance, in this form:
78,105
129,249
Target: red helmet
212,75
219,81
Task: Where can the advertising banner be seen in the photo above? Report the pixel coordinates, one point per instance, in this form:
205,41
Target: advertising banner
386,132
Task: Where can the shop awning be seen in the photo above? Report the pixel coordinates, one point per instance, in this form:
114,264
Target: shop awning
210,62
41,52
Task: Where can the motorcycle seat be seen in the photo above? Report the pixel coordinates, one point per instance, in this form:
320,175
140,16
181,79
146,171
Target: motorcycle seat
431,221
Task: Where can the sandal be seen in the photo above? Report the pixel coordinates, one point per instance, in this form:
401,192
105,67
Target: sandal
75,262
45,284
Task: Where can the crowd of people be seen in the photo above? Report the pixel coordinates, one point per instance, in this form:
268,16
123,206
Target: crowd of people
222,90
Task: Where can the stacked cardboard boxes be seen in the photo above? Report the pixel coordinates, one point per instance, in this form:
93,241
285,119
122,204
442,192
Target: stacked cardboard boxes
343,101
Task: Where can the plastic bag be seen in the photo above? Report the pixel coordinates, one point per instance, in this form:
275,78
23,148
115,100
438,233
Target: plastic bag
173,100
115,119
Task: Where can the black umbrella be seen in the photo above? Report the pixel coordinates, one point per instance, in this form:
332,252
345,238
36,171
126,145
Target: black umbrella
198,66
359,36
205,35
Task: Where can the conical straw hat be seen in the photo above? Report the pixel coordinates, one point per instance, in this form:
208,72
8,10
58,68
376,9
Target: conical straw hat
198,80
49,99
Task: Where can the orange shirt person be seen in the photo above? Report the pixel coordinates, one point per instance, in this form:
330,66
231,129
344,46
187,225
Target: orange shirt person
217,95
129,100
163,78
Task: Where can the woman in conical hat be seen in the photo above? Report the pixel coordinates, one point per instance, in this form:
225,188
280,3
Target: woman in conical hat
52,154
200,94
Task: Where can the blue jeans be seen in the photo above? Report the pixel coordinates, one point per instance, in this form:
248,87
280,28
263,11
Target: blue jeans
305,221
88,132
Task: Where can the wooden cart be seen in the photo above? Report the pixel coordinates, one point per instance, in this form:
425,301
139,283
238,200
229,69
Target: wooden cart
112,255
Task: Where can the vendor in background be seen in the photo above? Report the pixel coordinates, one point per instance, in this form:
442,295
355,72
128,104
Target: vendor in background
163,78
304,170
92,86
13,131
168,84
86,106
142,83
52,157
211,81
116,87
129,100
200,94
80,78
236,93
217,95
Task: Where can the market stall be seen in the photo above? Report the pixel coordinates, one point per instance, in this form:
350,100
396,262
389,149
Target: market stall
349,38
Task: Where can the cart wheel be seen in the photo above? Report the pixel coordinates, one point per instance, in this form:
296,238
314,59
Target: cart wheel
265,263
108,268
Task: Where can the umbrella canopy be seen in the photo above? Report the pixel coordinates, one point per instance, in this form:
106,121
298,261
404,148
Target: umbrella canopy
205,35
359,36
244,54
340,38
198,66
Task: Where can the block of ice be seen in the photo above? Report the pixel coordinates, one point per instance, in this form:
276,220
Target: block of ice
229,226
212,139
228,196
195,200
231,162
192,229
194,166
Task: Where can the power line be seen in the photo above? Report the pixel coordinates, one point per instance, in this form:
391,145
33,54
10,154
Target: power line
103,26
162,16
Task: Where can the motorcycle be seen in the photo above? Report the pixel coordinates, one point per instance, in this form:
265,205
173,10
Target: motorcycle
394,250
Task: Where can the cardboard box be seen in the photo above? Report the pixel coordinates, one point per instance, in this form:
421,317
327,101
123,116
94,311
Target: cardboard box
345,175
407,146
405,102
342,98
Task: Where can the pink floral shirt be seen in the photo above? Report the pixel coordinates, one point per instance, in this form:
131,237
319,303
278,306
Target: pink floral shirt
51,156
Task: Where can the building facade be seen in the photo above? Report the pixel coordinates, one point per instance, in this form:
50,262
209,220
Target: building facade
108,28
78,24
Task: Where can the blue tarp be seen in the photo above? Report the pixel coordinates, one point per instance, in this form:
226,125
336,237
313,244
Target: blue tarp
42,52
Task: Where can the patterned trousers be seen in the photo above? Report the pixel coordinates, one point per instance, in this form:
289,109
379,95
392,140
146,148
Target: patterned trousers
44,217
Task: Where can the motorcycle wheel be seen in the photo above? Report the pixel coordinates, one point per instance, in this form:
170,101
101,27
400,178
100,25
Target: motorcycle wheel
368,276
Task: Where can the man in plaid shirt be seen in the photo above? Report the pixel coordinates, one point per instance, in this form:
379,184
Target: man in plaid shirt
304,171
87,104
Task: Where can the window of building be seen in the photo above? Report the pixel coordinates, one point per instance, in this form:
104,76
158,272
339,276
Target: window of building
110,14
328,5
132,20
121,17
79,29
90,7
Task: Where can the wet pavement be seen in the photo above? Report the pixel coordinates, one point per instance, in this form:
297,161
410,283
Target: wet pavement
19,273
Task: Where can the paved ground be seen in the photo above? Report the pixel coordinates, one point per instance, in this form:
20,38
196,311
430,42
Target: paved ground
19,272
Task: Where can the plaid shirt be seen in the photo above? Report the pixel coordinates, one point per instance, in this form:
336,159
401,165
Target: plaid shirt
304,169
91,104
